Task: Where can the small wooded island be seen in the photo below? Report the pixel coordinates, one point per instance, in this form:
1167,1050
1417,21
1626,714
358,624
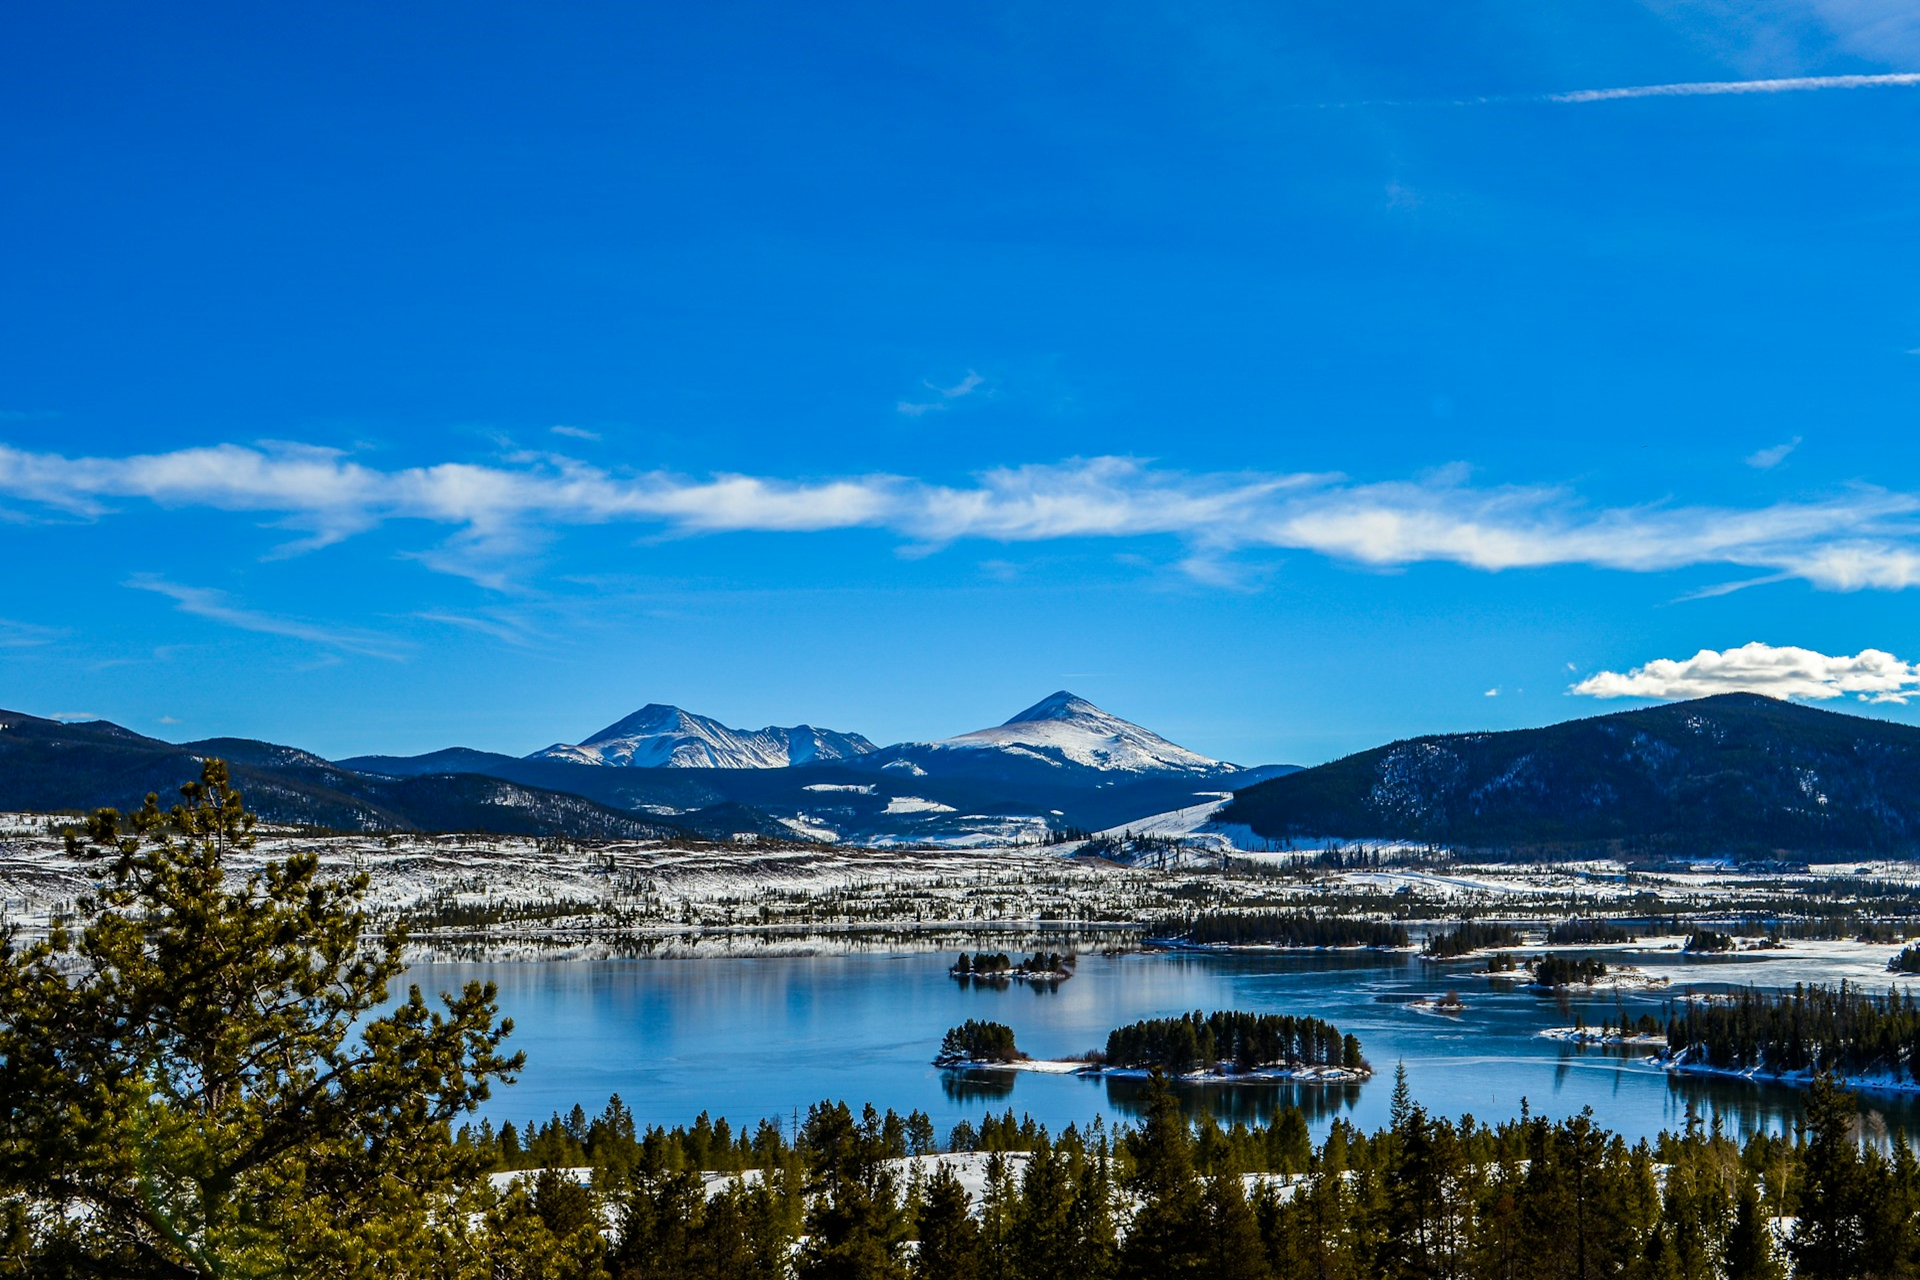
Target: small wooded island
1861,1041
1468,938
1550,973
1215,1047
998,966
1710,942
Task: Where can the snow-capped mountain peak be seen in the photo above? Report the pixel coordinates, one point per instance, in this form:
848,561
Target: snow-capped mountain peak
1074,729
661,736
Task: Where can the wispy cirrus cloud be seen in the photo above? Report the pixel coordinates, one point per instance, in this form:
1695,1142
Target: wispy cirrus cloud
946,396
497,513
217,606
1872,675
1769,458
507,630
26,635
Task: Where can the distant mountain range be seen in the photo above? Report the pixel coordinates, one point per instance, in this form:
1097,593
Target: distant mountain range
664,771
47,766
1737,774
1061,730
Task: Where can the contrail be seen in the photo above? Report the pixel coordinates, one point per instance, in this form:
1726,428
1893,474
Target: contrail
1689,89
1705,88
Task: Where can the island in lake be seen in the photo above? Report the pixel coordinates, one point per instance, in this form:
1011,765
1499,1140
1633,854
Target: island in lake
998,966
1229,1047
1842,1034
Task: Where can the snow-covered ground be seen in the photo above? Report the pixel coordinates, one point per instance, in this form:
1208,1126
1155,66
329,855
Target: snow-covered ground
1220,1074
520,895
1042,1066
1597,1035
512,896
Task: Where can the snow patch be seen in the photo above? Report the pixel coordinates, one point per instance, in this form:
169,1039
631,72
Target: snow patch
914,804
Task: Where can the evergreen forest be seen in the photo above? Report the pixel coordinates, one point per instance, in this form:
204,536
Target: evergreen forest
1247,1041
1301,929
1470,936
977,1041
1842,1030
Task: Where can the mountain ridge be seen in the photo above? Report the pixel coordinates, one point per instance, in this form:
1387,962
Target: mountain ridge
1081,733
660,735
965,796
50,766
1733,774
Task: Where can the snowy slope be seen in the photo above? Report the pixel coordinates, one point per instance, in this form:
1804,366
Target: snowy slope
1071,730
658,736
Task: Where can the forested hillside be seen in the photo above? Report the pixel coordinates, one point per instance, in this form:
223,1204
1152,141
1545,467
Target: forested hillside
49,766
1735,774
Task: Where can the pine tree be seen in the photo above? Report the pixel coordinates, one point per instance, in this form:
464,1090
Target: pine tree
522,1240
1749,1254
198,1082
1234,1249
1166,1238
998,1213
949,1237
660,1219
855,1224
1828,1239
1096,1247
1043,1225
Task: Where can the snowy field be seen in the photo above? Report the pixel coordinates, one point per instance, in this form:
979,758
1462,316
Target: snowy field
512,896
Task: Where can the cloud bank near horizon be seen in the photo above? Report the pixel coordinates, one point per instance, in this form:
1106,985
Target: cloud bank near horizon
498,513
1872,675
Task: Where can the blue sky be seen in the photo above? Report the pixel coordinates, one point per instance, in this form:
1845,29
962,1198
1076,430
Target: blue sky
1285,378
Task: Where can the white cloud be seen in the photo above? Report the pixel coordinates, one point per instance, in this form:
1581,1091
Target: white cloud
72,717
493,515
1872,675
215,606
1771,457
577,433
1492,693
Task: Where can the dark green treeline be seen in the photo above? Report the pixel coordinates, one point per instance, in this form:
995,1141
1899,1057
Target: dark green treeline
1279,929
1471,936
1248,1040
1530,1199
1841,1030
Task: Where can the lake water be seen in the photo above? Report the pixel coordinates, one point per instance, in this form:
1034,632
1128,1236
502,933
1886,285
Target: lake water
751,1038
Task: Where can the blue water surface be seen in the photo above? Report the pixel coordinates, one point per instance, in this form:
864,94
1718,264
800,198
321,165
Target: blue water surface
763,1037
